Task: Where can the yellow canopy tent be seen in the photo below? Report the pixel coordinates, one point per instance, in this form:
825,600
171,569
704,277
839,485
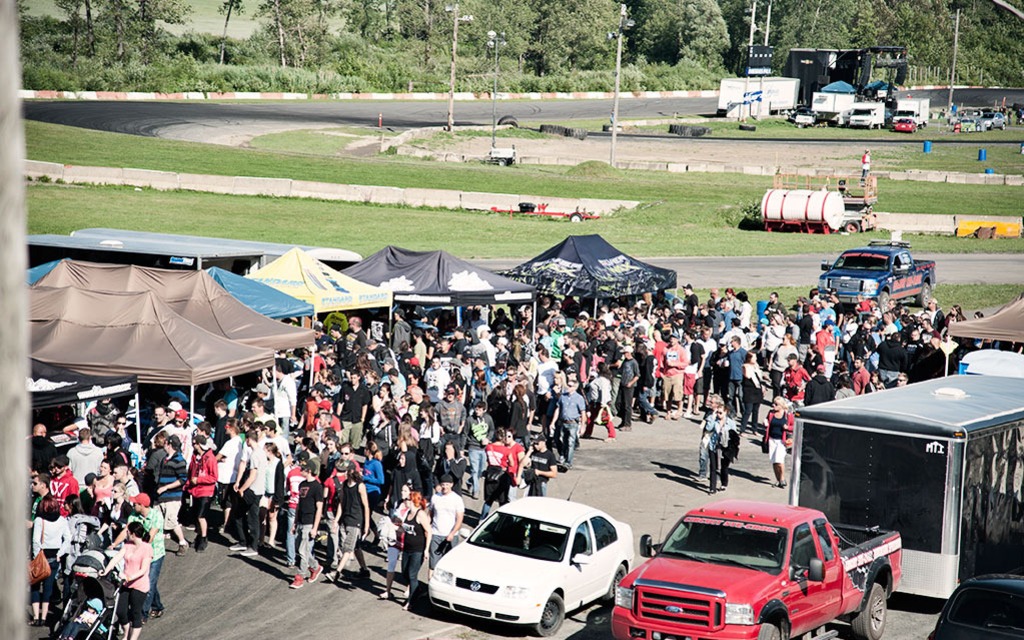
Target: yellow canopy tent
306,278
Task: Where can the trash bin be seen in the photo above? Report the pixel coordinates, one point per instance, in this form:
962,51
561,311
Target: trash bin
527,207
928,146
982,155
989,171
762,306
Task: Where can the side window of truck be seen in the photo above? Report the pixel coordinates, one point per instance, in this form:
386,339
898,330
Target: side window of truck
824,539
803,547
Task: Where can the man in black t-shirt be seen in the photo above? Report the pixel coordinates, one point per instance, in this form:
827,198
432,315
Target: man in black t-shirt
307,521
544,466
352,404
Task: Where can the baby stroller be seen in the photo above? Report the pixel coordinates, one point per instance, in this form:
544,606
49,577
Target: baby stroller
90,608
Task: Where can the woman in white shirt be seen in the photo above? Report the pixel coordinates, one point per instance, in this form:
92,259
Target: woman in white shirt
49,534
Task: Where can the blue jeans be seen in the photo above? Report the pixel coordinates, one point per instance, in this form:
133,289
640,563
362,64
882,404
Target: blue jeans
645,399
702,458
289,538
477,463
153,602
570,437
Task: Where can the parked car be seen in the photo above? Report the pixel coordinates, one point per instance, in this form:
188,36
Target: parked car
989,607
992,120
533,560
970,125
803,117
905,125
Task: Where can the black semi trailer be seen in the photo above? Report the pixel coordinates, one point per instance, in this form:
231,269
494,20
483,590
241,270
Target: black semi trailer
942,462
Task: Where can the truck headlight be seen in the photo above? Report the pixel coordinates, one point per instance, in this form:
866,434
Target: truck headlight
870,286
624,597
515,593
823,283
444,577
739,613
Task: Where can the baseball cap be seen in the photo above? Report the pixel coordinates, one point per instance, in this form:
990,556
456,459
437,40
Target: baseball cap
175,442
688,286
451,389
262,388
447,478
174,405
181,414
318,326
821,368
310,465
540,437
141,499
561,321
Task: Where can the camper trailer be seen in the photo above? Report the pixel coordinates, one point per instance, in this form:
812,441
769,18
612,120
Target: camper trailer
940,461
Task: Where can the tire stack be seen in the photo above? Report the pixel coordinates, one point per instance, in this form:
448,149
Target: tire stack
686,131
568,132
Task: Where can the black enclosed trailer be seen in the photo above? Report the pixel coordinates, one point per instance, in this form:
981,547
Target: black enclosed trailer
942,462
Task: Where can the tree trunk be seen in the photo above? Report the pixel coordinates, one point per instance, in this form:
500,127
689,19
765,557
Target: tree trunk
74,39
302,43
280,31
90,37
224,38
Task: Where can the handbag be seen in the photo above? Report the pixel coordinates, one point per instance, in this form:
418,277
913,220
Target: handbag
764,446
39,567
493,473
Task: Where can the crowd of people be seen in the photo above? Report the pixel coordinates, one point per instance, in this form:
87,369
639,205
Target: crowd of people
377,437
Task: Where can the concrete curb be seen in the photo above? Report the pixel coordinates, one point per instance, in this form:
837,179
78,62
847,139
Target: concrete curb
287,188
27,94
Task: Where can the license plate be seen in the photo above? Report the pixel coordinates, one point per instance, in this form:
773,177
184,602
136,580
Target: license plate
657,635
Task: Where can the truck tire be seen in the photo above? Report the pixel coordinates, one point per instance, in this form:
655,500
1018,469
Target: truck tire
551,617
870,623
852,227
769,632
883,299
748,127
576,132
509,120
575,218
925,295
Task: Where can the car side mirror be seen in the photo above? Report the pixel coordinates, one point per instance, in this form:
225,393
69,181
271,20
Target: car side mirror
816,572
825,265
581,559
646,548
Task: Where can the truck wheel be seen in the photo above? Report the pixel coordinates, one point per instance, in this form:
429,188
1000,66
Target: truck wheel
769,632
883,300
925,295
575,218
852,227
620,573
870,623
552,616
509,120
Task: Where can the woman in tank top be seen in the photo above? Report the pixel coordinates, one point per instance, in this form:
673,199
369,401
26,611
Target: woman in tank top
416,526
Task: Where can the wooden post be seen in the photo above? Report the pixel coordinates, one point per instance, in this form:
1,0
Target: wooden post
13,338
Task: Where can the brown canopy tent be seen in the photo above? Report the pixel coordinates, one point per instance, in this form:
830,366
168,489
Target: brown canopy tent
194,295
105,333
1007,324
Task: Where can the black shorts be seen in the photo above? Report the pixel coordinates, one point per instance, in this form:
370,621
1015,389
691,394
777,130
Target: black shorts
129,607
224,492
201,506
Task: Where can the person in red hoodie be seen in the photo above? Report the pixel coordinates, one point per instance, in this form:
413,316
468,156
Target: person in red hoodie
62,482
202,480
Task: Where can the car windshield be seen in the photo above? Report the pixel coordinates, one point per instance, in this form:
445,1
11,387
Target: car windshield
728,542
862,261
522,536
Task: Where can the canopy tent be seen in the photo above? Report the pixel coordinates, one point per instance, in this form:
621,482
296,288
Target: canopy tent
838,87
194,295
989,362
260,297
53,386
37,272
589,267
306,278
1006,324
107,333
437,278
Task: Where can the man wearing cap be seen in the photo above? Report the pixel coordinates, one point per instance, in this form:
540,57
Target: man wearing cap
544,465
170,485
447,510
62,481
308,511
630,376
153,522
794,379
353,402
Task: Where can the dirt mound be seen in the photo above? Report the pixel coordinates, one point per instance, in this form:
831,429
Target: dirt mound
592,169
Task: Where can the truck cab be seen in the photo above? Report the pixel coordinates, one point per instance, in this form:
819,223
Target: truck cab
884,270
867,115
738,569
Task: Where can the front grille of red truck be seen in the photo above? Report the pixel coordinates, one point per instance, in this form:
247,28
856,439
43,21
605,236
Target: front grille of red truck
694,607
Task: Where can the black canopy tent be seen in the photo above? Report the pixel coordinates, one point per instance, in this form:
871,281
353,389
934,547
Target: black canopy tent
437,278
53,386
590,267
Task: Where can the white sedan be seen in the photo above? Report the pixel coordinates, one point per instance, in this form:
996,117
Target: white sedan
531,561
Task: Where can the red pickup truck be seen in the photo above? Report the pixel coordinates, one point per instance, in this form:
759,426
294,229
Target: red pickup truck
738,569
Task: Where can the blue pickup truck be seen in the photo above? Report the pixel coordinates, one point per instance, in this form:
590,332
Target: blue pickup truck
884,270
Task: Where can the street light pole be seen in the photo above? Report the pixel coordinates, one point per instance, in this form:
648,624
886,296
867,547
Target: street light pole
624,23
746,83
952,68
495,40
454,9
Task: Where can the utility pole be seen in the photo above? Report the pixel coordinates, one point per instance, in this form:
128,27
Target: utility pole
14,337
494,39
456,19
624,23
746,83
760,88
952,69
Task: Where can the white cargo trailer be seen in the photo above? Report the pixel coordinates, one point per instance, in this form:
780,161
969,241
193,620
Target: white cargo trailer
867,115
829,106
766,95
914,108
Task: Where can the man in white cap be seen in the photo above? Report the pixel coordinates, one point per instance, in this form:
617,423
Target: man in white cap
490,352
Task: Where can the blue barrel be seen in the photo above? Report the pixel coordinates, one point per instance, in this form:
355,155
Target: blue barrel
762,306
989,171
927,146
982,155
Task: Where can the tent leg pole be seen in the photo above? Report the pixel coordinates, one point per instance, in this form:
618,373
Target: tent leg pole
595,308
533,333
138,418
191,400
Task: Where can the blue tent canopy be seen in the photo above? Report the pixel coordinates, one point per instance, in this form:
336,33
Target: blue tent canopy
259,297
37,272
878,85
838,87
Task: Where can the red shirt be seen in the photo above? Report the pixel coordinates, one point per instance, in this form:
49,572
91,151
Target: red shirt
202,475
674,361
794,381
63,486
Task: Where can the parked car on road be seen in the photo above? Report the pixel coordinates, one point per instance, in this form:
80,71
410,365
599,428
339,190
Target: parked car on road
989,607
803,117
532,561
905,125
992,120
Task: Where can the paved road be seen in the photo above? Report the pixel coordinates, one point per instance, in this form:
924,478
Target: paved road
803,270
647,478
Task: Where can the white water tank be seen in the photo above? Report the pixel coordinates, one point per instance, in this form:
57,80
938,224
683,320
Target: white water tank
804,206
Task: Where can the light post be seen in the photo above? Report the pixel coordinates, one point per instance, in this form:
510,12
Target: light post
624,23
456,19
750,46
495,40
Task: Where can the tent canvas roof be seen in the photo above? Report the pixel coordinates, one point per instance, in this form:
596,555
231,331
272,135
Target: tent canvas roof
306,278
194,295
260,297
590,267
437,278
107,333
838,86
53,386
1006,324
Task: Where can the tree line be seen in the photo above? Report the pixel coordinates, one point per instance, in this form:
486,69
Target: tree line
323,46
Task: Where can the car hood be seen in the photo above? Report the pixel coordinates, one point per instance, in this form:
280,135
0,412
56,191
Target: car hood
738,583
494,567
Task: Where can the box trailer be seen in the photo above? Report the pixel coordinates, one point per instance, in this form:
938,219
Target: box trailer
867,115
917,109
766,95
828,106
941,461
